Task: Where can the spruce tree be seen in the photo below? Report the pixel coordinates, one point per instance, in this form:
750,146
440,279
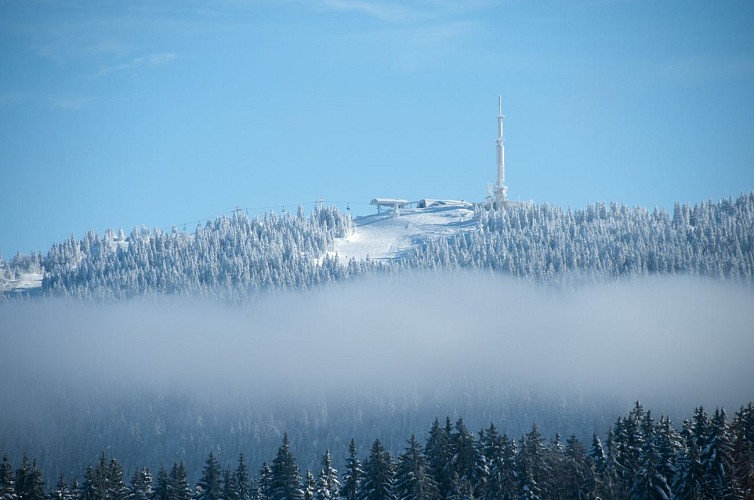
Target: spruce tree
90,487
668,446
61,491
242,479
412,476
23,478
29,482
500,456
116,487
556,475
649,482
263,485
141,485
466,461
162,489
688,477
309,486
530,463
7,481
75,489
353,475
378,475
578,480
742,430
286,478
210,485
230,486
599,465
328,486
611,478
716,459
439,454
179,485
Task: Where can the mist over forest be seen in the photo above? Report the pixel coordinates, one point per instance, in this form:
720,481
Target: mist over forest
158,348
154,381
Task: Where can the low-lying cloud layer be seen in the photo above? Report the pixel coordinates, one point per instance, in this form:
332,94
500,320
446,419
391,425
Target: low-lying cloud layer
671,342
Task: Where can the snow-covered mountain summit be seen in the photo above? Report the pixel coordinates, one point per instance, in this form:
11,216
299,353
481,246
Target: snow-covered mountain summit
386,235
237,256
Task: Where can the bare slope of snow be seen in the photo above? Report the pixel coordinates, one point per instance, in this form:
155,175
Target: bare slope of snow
385,235
21,283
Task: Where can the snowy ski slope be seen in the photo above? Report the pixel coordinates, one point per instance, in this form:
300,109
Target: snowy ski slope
386,236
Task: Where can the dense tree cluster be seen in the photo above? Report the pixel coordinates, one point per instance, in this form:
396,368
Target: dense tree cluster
642,458
548,244
230,257
234,256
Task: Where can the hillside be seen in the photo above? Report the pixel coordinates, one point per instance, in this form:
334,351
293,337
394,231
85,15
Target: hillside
238,255
385,236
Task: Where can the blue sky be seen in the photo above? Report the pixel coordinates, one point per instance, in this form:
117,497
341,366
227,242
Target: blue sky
116,114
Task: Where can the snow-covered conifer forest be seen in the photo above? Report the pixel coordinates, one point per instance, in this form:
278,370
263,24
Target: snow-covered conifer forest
229,360
642,456
234,256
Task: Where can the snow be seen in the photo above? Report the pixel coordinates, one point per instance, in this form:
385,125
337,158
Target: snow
386,236
24,282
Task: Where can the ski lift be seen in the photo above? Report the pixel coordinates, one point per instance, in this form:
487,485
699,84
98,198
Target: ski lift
282,211
348,207
184,226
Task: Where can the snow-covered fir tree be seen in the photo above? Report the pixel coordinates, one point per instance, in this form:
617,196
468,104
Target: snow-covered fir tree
179,484
286,478
412,476
141,485
354,474
379,474
210,485
7,481
328,485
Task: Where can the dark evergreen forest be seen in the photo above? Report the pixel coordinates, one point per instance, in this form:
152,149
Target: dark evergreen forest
641,457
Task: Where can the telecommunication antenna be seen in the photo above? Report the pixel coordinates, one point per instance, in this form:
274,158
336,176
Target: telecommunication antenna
501,190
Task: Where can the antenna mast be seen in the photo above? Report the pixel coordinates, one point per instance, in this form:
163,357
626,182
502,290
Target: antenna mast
501,190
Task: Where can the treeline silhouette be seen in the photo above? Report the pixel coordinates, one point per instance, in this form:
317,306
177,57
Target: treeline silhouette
641,457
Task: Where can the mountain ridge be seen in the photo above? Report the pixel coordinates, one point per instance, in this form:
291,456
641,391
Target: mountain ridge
236,255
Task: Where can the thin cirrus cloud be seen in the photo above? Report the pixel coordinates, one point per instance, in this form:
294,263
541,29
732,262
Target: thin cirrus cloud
150,61
403,12
387,12
72,103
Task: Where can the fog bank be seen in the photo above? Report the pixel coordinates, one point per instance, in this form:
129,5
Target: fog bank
664,340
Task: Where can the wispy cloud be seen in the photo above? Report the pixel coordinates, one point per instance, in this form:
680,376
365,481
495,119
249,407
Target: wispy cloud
71,103
406,12
708,67
418,33
12,98
108,47
54,51
416,47
150,61
384,11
